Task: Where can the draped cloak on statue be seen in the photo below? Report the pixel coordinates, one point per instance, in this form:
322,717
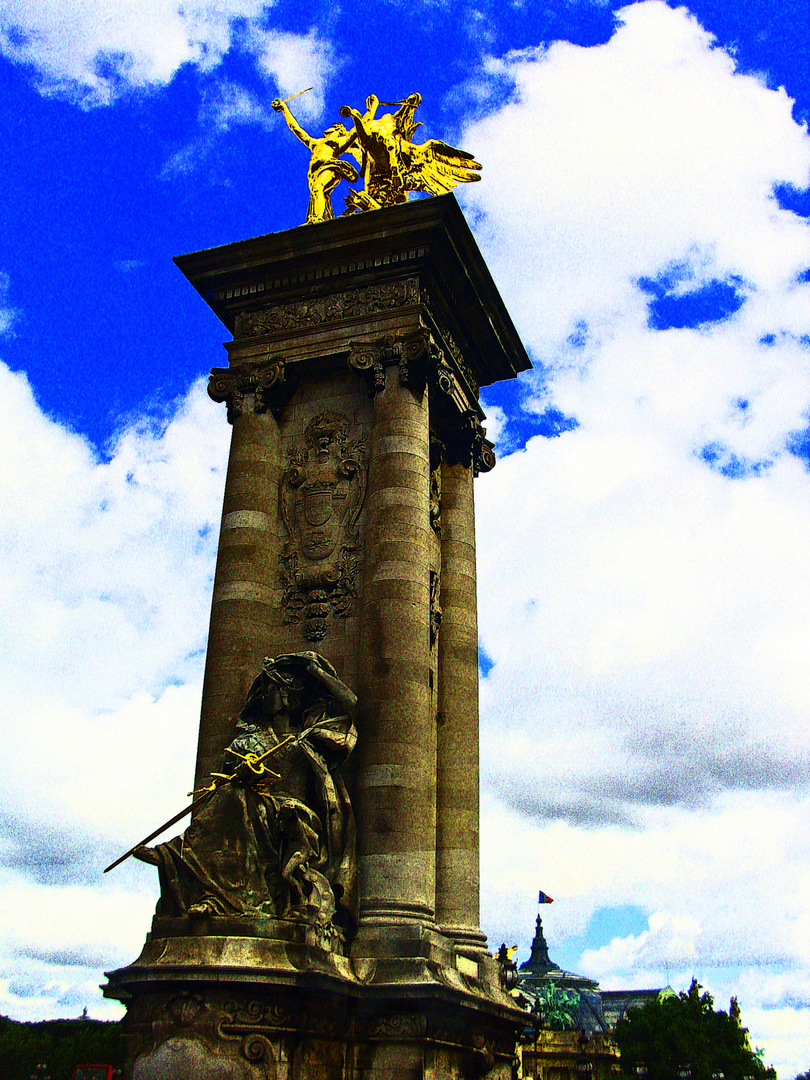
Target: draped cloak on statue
282,847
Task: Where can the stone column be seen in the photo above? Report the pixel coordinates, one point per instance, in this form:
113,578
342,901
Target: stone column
396,779
457,812
246,601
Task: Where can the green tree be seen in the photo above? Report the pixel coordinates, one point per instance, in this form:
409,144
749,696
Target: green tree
58,1044
685,1033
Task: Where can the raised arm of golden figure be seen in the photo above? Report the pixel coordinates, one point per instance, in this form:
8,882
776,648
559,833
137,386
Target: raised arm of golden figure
325,169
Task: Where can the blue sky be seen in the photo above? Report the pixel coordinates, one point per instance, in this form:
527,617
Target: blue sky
643,579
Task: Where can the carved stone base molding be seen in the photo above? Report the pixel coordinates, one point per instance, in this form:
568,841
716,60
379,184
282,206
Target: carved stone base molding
204,1028
208,1021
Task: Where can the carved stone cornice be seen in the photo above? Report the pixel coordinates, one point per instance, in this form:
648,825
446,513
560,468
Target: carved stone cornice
316,311
257,387
452,347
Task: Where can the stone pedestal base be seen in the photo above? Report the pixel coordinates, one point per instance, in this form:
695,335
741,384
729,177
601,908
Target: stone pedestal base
226,1007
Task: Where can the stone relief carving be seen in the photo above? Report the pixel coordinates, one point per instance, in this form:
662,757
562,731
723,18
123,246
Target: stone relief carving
436,453
397,1026
260,387
276,835
220,1035
369,358
316,311
463,437
322,493
453,348
435,606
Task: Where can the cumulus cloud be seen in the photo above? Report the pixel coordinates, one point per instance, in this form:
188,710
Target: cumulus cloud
104,607
643,583
95,51
294,62
609,163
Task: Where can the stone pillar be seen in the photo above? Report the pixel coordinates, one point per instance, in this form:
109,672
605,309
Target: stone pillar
380,326
245,606
396,777
457,862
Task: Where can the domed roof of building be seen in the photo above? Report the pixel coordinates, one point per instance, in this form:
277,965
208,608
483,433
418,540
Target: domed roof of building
545,980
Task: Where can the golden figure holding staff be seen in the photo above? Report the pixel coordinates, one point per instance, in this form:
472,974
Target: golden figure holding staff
391,164
325,169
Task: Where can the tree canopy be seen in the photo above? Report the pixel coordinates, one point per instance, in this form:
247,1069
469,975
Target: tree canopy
683,1033
60,1045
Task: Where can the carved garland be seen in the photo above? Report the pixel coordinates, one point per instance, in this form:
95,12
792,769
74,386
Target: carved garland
303,314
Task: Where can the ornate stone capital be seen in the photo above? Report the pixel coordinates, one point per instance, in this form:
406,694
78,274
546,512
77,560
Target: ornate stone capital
470,445
254,388
464,438
369,358
410,352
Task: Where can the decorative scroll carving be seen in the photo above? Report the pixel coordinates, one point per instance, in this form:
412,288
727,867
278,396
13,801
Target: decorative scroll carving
258,387
322,493
465,440
274,833
416,351
411,352
370,357
225,1033
436,454
435,606
317,311
398,1026
242,1017
453,349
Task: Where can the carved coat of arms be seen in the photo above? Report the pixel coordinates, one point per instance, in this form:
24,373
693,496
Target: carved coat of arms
322,493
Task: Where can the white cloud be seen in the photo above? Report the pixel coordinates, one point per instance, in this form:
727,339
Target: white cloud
644,734
611,162
104,605
94,51
295,62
